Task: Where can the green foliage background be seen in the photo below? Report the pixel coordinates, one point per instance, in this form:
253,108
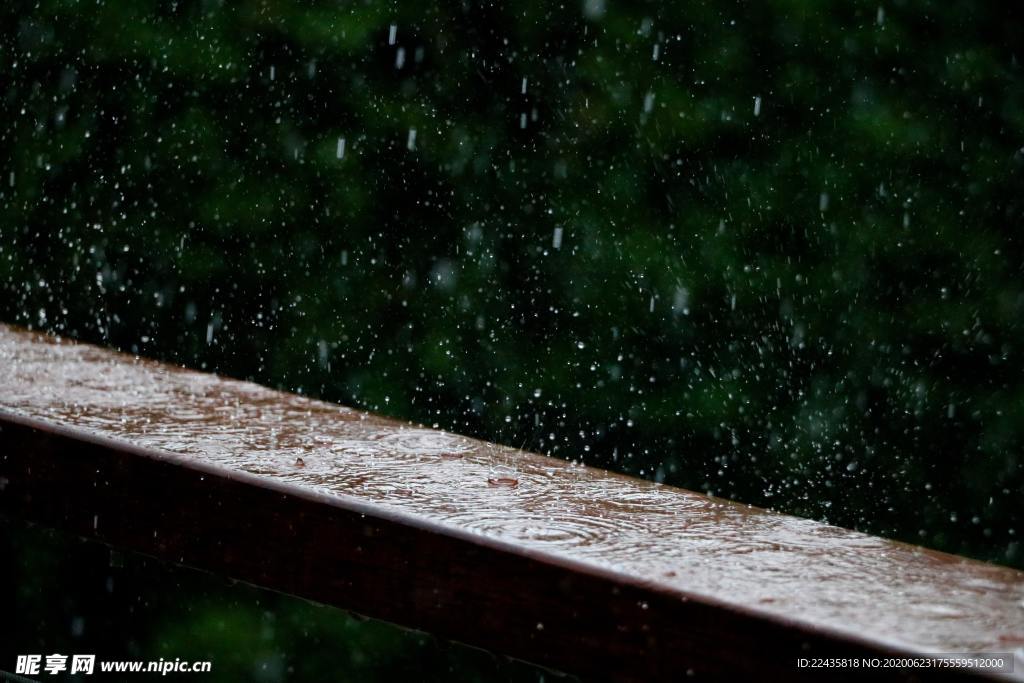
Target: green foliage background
789,254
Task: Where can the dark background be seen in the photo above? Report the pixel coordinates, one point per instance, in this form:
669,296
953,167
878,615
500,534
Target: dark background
771,250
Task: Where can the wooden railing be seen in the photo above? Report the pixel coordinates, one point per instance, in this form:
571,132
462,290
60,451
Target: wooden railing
574,568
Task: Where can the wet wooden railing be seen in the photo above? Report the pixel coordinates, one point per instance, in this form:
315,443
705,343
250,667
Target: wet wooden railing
574,568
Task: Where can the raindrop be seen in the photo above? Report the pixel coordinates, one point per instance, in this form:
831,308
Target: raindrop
593,9
681,301
322,353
